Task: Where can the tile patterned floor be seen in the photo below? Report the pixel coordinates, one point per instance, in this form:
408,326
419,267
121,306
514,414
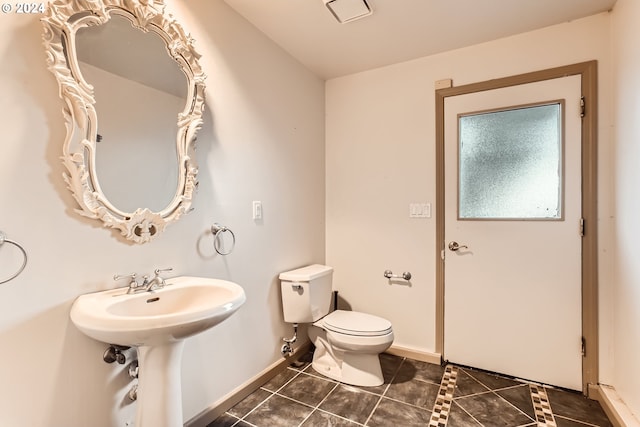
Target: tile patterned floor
414,394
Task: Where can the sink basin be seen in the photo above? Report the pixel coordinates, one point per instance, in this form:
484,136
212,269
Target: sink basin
157,323
184,307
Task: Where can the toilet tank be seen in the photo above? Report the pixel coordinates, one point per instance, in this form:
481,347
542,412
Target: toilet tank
306,293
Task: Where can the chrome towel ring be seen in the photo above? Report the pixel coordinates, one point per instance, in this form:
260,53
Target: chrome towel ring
218,231
3,240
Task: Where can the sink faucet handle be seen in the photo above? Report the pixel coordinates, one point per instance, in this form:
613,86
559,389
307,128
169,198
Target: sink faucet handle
133,284
117,277
157,271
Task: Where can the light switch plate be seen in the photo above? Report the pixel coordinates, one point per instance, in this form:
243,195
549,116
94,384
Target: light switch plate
257,209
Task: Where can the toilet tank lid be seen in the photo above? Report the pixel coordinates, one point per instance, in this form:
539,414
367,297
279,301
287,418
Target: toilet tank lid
306,274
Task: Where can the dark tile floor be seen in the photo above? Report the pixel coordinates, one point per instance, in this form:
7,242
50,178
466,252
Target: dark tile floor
299,396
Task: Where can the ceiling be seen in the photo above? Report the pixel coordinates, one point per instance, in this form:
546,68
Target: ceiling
400,30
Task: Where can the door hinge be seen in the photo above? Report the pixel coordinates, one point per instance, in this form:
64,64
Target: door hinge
584,347
583,108
581,227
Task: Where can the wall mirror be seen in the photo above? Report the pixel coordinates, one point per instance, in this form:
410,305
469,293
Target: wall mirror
133,66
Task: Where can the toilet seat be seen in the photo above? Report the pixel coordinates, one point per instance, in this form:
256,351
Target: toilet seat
356,323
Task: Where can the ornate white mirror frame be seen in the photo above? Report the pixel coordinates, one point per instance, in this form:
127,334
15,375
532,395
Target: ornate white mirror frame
61,23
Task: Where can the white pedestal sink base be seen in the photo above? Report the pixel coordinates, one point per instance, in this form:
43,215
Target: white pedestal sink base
157,322
159,388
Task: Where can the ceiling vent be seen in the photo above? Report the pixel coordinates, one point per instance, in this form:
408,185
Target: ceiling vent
348,10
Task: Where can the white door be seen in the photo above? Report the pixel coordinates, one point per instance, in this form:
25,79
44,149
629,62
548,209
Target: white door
513,207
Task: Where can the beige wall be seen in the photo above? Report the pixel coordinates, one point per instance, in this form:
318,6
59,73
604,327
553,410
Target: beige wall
626,129
381,156
263,139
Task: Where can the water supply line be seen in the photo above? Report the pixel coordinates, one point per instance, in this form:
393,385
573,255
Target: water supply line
133,370
132,394
287,349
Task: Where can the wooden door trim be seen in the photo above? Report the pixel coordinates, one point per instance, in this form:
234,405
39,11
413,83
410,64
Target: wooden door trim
589,87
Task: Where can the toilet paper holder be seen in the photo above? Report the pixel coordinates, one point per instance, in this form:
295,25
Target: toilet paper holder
389,275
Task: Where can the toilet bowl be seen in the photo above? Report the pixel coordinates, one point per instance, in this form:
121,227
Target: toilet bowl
348,343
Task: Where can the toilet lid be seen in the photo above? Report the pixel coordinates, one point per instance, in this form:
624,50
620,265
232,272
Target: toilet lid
356,323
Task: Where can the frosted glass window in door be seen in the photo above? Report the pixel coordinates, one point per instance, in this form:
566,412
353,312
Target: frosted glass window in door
510,163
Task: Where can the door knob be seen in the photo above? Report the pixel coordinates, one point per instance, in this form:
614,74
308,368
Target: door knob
454,246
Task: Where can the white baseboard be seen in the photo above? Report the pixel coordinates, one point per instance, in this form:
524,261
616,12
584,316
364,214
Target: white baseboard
218,408
618,412
423,356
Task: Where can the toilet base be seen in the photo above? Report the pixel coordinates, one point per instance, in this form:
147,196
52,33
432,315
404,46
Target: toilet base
360,368
356,369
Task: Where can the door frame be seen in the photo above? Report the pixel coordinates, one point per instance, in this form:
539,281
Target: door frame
589,86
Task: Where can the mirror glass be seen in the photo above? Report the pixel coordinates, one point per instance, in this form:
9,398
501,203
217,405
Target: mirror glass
139,91
133,92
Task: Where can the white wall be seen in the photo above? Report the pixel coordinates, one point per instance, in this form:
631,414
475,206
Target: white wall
381,156
626,125
263,139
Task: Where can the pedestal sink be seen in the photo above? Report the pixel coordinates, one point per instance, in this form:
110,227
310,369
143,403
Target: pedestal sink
157,322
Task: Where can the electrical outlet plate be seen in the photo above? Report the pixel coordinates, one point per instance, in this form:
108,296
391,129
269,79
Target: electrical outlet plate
419,210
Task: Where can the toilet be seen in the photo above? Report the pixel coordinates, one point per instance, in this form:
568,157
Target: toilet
348,343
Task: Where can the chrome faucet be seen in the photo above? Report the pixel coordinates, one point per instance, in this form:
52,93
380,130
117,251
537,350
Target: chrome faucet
147,285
